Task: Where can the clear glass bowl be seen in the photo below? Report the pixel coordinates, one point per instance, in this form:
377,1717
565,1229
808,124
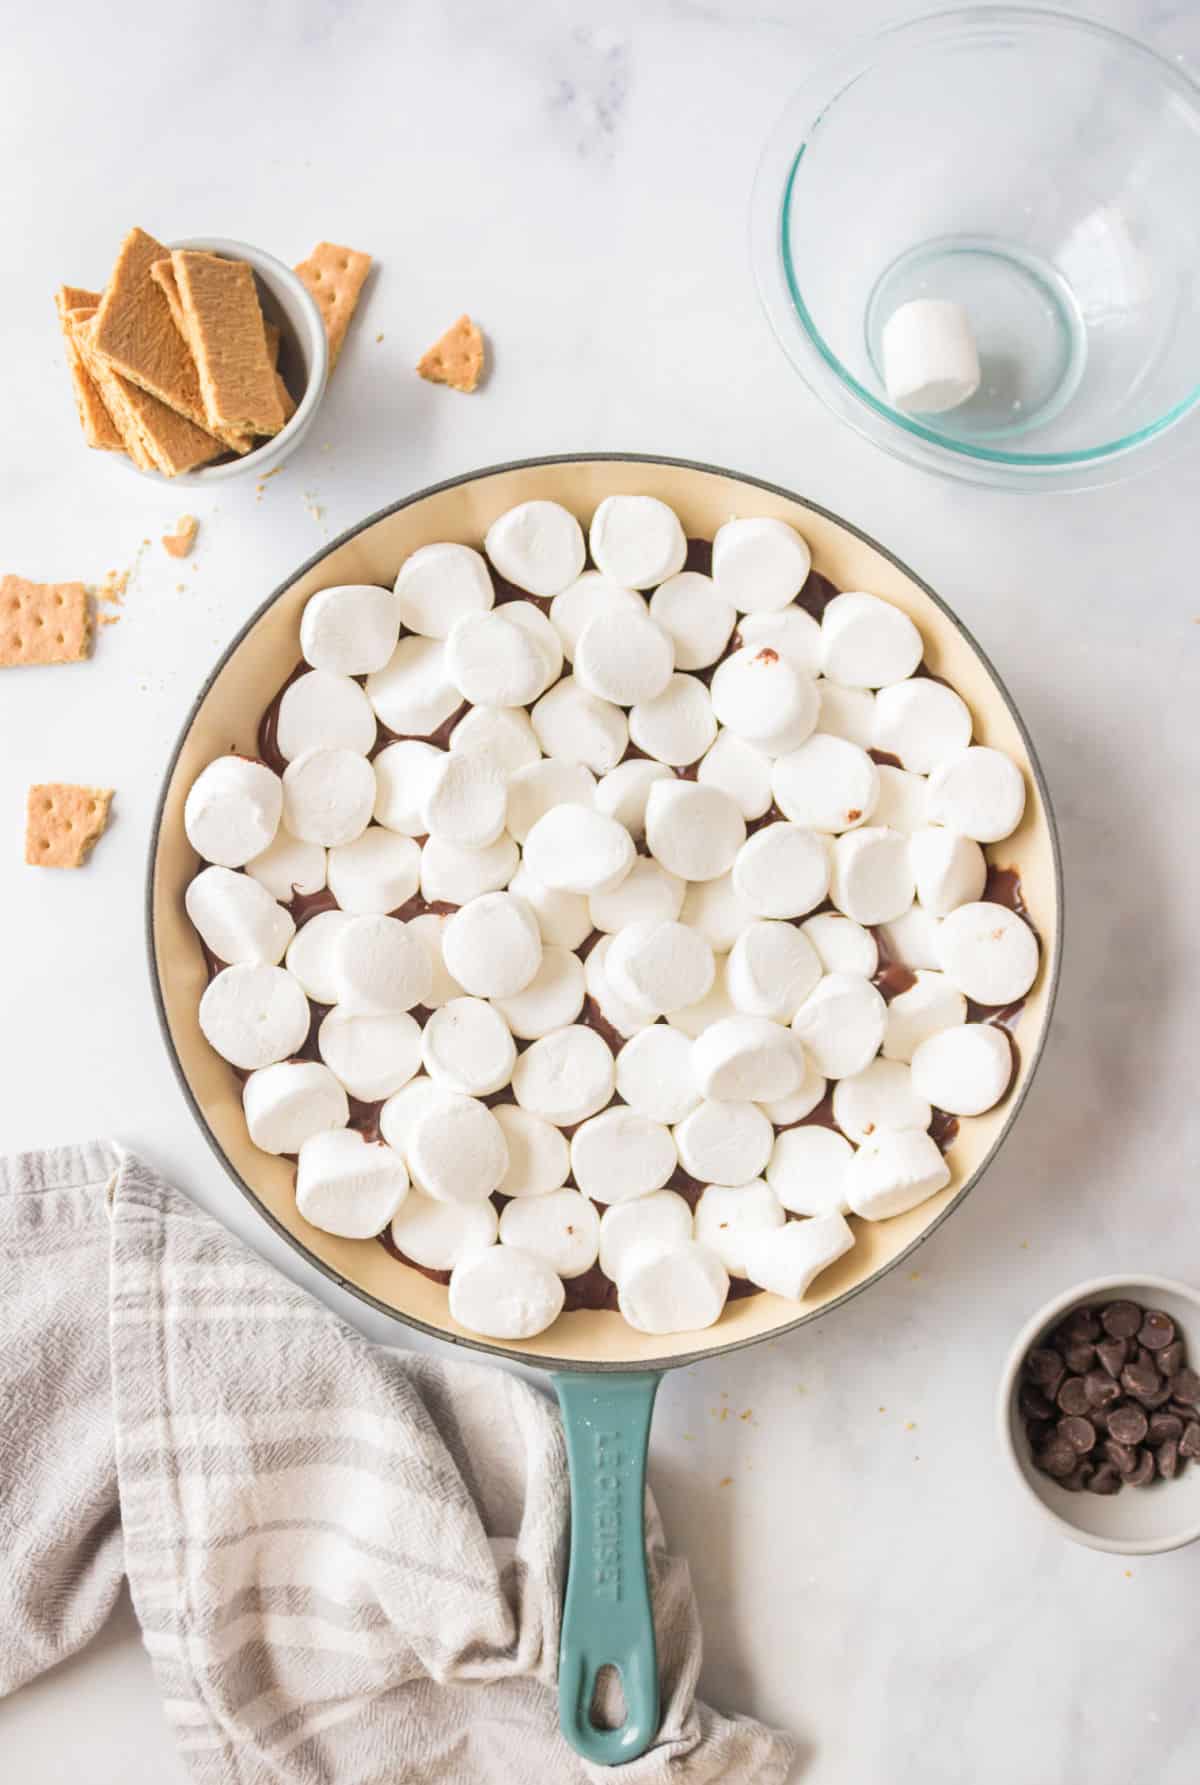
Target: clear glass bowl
1043,171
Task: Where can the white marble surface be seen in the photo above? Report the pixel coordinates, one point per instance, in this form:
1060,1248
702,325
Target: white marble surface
578,177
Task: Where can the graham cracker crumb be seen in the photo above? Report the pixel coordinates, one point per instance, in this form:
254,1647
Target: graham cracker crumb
107,619
112,587
43,622
63,823
457,359
378,338
725,1481
180,543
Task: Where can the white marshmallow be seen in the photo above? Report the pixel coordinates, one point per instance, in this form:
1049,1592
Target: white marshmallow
868,642
637,541
439,583
589,595
535,789
922,722
903,800
403,773
627,1019
575,849
379,965
404,1109
694,831
759,564
492,946
654,1074
988,952
659,965
842,945
930,360
782,871
376,873
913,938
696,619
801,1102
624,658
328,796
964,1070
760,696
562,917
466,800
880,1097
893,1173
493,661
716,909
808,1170
619,1155
237,919
505,1293
925,1009
654,1224
438,1235
648,893
430,928
787,1263
561,1227
740,770
456,1151
287,866
254,1015
372,1053
467,1046
847,713
623,792
693,1020
552,999
576,726
232,810
747,1059
414,693
949,870
350,630
727,1214
841,1024
872,877
681,1291
827,784
538,546
311,955
349,1186
538,1155
979,793
771,969
724,1143
287,1103
504,736
791,631
678,725
322,711
565,1077
453,876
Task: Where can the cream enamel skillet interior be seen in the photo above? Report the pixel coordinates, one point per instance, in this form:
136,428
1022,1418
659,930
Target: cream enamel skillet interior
607,1379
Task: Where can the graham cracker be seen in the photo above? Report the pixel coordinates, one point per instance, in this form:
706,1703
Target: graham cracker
63,823
99,429
224,325
180,543
286,400
43,622
457,359
335,277
134,331
157,436
163,274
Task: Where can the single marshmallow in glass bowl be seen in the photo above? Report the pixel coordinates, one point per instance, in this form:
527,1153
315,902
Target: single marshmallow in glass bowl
535,789
495,661
624,658
727,1214
351,630
841,1024
372,1053
403,774
764,700
868,642
724,1143
623,792
538,546
772,968
311,955
288,866
466,800
678,725
801,1102
826,785
637,541
654,1074
561,1227
414,693
790,631
871,878
376,873
649,892
930,1005
438,1235
922,722
440,583
467,1046
576,726
842,945
285,1104
451,875
349,1186
627,1019
456,1150
321,710
949,870
882,1096
680,1291
328,796
587,597
964,1070
505,1293
740,770
694,831
573,848
232,810
697,619
619,1155
930,360
659,965
236,918
979,793
808,1168
912,938
760,564
782,871
254,1015
378,964
566,1076
552,999
539,1158
988,952
492,946
786,1263
647,1227
406,1107
747,1059
893,1172
504,735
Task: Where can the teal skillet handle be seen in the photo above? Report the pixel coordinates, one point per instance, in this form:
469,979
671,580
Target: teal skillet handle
606,1615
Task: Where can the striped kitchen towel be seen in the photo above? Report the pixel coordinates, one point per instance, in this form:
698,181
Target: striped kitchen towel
347,1564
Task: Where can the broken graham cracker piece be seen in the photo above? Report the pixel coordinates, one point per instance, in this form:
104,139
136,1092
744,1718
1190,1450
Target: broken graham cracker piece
166,440
64,823
287,401
43,622
224,323
99,429
335,277
180,543
457,359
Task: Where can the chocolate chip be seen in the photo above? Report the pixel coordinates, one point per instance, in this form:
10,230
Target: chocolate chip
1045,1366
1078,1432
1138,1378
1144,1471
1123,1457
1040,1431
1157,1330
1184,1411
1189,1444
1121,1320
1128,1424
1113,1354
1033,1403
1185,1387
1164,1426
1170,1358
1056,1459
1072,1396
1100,1388
1081,1323
1079,1356
1159,1398
1105,1480
1167,1459
1099,1418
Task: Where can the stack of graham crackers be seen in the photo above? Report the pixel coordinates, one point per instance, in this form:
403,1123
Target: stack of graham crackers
174,363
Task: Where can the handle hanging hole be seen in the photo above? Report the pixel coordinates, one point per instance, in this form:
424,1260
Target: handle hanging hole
607,1709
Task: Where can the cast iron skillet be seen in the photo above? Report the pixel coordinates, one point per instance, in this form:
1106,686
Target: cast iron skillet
605,1374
